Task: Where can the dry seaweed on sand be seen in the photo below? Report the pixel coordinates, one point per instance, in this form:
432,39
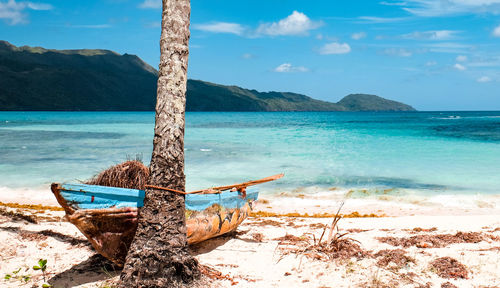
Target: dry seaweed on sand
335,246
36,207
130,174
32,236
398,257
434,241
418,229
409,278
317,226
215,274
402,281
265,222
290,239
357,230
447,267
258,237
18,216
494,248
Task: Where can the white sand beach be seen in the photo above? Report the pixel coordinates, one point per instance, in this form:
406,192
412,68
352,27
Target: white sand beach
420,250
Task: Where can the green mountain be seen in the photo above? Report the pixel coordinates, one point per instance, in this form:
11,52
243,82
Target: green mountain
366,102
205,96
34,78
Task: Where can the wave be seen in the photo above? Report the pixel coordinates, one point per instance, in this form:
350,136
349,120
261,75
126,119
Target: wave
447,118
362,197
457,117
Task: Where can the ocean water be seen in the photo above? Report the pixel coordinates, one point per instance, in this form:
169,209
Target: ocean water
401,155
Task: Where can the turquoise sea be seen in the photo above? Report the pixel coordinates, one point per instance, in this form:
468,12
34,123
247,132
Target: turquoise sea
423,153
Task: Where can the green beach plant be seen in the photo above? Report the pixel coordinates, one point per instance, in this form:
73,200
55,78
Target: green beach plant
16,276
42,265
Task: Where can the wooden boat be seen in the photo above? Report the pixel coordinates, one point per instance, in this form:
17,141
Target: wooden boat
107,216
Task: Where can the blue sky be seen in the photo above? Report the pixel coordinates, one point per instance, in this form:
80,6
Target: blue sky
434,55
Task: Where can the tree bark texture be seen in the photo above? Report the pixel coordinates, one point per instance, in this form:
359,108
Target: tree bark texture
158,256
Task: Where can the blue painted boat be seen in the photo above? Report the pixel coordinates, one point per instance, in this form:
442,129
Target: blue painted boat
107,216
83,196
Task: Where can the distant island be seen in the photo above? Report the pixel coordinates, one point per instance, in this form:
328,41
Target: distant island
37,79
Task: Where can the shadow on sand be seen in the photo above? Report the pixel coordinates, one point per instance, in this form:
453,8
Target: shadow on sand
95,268
36,235
209,245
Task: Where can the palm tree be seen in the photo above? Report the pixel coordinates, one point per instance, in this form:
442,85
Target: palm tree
158,256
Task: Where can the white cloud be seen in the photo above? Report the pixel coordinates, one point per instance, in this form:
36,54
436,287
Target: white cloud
400,52
449,47
13,12
38,6
496,31
486,61
247,56
154,24
461,58
431,35
393,3
297,24
431,63
460,67
221,27
372,19
358,36
435,8
92,26
335,48
288,68
150,4
483,79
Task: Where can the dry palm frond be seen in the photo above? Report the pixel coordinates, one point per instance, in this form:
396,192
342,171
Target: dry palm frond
336,246
130,174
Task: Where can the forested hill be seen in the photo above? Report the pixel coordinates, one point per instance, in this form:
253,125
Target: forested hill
366,102
205,96
34,78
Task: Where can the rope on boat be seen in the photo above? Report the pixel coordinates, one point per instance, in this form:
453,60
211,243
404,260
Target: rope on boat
166,189
241,187
206,191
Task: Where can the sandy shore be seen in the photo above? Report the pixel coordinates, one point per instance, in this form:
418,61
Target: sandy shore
413,249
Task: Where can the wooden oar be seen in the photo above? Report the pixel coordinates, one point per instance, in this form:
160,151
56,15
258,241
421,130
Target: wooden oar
238,186
242,185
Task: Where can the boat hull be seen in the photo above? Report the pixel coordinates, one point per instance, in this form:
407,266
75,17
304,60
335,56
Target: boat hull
107,216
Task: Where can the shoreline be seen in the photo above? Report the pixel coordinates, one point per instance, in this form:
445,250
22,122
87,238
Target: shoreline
318,204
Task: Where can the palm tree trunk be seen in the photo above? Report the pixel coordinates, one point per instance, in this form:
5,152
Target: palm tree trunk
158,256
